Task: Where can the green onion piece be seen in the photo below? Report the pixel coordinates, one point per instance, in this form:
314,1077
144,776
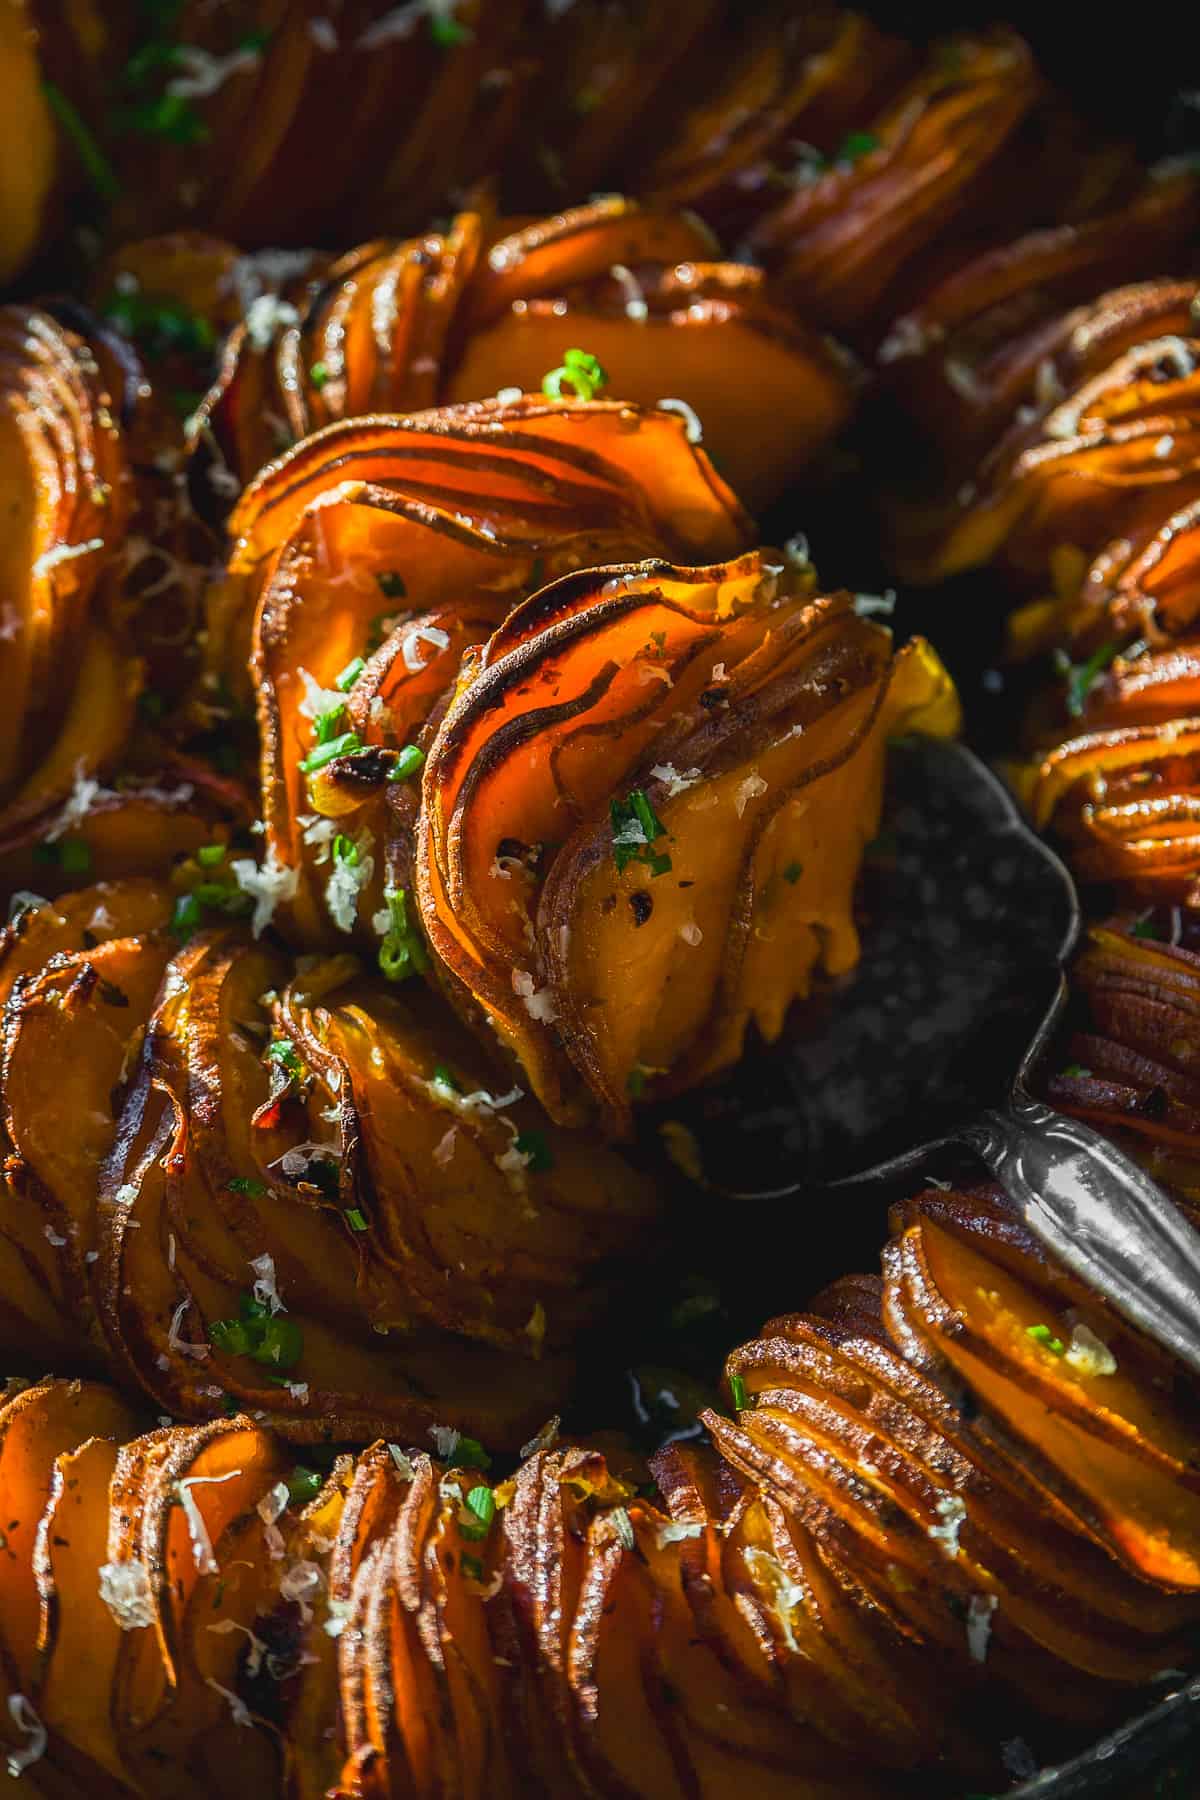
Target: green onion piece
96,165
319,375
304,1485
355,1219
737,1389
324,725
209,855
408,762
345,850
245,1184
186,917
1042,1334
635,825
793,872
402,952
350,674
345,745
582,370
535,1150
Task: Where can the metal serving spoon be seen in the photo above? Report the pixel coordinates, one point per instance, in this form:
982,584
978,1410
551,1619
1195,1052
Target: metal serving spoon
970,920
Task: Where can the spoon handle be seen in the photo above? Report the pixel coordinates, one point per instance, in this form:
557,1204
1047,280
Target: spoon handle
1101,1215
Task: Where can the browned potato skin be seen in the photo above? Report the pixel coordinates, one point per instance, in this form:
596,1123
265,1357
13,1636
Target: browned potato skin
905,1460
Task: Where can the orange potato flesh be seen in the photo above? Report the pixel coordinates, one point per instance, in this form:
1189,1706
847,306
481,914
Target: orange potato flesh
514,762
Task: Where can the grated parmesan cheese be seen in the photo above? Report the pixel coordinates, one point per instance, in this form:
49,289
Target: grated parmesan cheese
267,315
204,73
77,805
202,1550
866,605
953,1515
318,700
445,1440
673,780
745,792
61,553
677,1530
265,1289
23,1716
695,431
126,1591
237,1706
979,1625
508,396
421,634
443,1150
691,933
323,33
268,883
538,1002
785,1594
199,1352
1088,1354
348,879
258,1648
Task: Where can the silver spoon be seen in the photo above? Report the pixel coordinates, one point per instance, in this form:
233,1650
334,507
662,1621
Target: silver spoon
959,844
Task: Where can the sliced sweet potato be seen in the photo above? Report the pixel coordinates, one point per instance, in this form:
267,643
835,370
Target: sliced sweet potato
709,691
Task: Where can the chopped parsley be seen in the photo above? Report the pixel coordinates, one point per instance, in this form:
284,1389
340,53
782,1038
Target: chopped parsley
161,326
402,952
581,371
480,1501
304,1485
635,827
265,1337
246,1184
283,1052
1042,1334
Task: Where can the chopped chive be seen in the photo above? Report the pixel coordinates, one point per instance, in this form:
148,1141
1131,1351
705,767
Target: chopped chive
402,952
1042,1334
345,850
581,370
325,724
737,1389
1081,678
319,375
345,745
186,917
408,762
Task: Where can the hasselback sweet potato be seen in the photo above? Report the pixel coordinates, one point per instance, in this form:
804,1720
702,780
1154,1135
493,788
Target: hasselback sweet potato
375,555
971,1468
643,815
487,307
